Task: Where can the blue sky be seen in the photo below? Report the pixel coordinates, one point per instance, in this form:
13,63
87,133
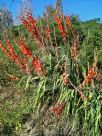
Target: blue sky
86,9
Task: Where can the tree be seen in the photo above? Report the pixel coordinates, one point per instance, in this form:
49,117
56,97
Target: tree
6,18
50,10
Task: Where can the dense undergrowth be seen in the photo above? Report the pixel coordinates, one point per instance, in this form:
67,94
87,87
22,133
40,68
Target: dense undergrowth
51,68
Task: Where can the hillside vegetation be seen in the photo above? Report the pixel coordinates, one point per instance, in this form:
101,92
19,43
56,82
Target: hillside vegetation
51,77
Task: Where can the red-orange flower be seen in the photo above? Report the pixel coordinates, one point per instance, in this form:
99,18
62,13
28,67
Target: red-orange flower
68,21
11,53
26,24
24,49
91,72
48,31
91,75
11,50
13,77
57,19
26,67
31,20
73,53
58,109
60,27
4,49
65,78
30,24
38,66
